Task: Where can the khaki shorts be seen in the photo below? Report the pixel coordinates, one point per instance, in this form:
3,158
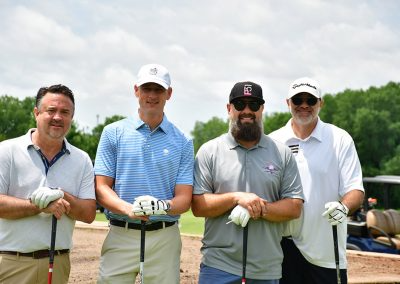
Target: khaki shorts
21,269
120,256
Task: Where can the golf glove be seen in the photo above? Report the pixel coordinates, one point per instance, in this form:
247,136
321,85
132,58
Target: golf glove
239,216
149,205
336,212
42,196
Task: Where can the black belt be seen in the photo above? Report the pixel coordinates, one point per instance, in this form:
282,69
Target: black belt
36,254
134,226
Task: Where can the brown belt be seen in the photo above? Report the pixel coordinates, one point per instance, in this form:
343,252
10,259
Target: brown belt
36,254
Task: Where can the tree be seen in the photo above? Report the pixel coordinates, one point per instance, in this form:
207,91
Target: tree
275,121
16,116
204,132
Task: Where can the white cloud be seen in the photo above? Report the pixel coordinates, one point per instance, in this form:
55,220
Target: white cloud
97,47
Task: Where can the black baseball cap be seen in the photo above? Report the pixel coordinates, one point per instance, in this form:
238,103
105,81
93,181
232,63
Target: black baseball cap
246,90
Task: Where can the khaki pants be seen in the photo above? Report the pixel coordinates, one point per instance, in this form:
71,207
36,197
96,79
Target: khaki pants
26,270
120,256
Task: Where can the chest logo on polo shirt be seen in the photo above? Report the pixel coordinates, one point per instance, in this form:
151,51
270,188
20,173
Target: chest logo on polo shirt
270,168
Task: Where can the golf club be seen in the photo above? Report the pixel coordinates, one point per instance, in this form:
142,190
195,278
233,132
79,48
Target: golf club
142,248
244,259
52,246
335,244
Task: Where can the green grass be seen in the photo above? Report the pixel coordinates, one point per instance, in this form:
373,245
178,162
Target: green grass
189,224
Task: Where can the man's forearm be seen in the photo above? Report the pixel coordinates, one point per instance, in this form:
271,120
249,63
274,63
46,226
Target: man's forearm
15,208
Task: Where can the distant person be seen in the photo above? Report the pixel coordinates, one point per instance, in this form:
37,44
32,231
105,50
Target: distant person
246,177
41,175
332,182
144,171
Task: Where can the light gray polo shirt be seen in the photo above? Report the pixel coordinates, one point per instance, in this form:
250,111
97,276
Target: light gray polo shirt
21,172
268,170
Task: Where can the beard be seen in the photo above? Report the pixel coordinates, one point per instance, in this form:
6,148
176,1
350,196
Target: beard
246,131
301,120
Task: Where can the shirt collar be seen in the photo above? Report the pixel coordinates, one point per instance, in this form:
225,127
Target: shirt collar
164,126
232,143
28,142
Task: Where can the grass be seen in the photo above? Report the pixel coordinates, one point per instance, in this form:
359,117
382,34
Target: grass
189,224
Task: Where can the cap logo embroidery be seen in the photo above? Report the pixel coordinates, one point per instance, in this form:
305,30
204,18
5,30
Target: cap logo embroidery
153,71
303,84
247,90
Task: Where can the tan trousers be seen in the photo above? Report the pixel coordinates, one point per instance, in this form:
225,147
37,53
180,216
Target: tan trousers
120,256
26,270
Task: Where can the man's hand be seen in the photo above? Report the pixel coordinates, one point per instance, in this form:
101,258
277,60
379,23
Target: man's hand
149,205
336,212
42,196
58,208
239,216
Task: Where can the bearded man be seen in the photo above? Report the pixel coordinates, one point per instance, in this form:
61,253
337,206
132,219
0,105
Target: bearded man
247,178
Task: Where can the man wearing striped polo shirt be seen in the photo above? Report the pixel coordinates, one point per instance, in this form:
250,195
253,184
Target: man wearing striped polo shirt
144,171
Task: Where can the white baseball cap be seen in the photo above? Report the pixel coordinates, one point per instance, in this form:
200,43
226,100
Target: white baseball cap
304,85
154,73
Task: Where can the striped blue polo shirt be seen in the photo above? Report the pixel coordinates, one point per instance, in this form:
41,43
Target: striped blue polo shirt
144,162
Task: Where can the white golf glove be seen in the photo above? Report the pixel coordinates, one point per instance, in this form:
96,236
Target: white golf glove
239,216
336,212
149,205
42,196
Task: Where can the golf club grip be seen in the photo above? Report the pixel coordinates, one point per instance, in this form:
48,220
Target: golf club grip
336,247
142,249
142,239
52,247
244,261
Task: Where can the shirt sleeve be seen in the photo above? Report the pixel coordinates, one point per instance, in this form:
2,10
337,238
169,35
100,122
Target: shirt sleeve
350,167
106,156
185,173
291,183
203,172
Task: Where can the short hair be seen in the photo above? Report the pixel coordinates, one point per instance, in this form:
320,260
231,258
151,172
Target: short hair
56,89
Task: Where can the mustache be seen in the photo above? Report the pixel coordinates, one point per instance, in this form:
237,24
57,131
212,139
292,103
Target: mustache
247,115
58,124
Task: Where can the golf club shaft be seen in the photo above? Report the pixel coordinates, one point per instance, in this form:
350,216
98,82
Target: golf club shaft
52,246
336,247
244,261
142,249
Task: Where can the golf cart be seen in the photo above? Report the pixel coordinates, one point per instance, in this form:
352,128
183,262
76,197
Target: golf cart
374,230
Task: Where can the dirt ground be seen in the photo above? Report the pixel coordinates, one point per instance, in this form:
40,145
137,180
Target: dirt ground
363,268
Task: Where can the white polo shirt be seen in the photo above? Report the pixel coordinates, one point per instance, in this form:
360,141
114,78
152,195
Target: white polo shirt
329,168
21,172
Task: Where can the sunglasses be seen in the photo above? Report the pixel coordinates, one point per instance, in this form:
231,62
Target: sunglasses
311,101
241,105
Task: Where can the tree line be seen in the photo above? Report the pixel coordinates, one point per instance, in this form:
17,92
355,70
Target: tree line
372,117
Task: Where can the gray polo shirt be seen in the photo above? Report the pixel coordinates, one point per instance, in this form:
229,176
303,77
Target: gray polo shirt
21,172
268,170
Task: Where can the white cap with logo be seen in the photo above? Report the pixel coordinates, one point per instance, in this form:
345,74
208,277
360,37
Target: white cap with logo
154,73
304,85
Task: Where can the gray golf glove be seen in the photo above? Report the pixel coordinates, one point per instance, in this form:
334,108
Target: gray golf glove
42,196
336,212
149,205
239,216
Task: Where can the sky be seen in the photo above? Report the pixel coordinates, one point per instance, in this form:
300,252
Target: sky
97,47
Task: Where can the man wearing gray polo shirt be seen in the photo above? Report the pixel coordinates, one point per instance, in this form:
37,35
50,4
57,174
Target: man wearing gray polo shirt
246,177
42,175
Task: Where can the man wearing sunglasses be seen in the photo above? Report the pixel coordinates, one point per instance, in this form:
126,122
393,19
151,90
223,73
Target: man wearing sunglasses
332,182
244,178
